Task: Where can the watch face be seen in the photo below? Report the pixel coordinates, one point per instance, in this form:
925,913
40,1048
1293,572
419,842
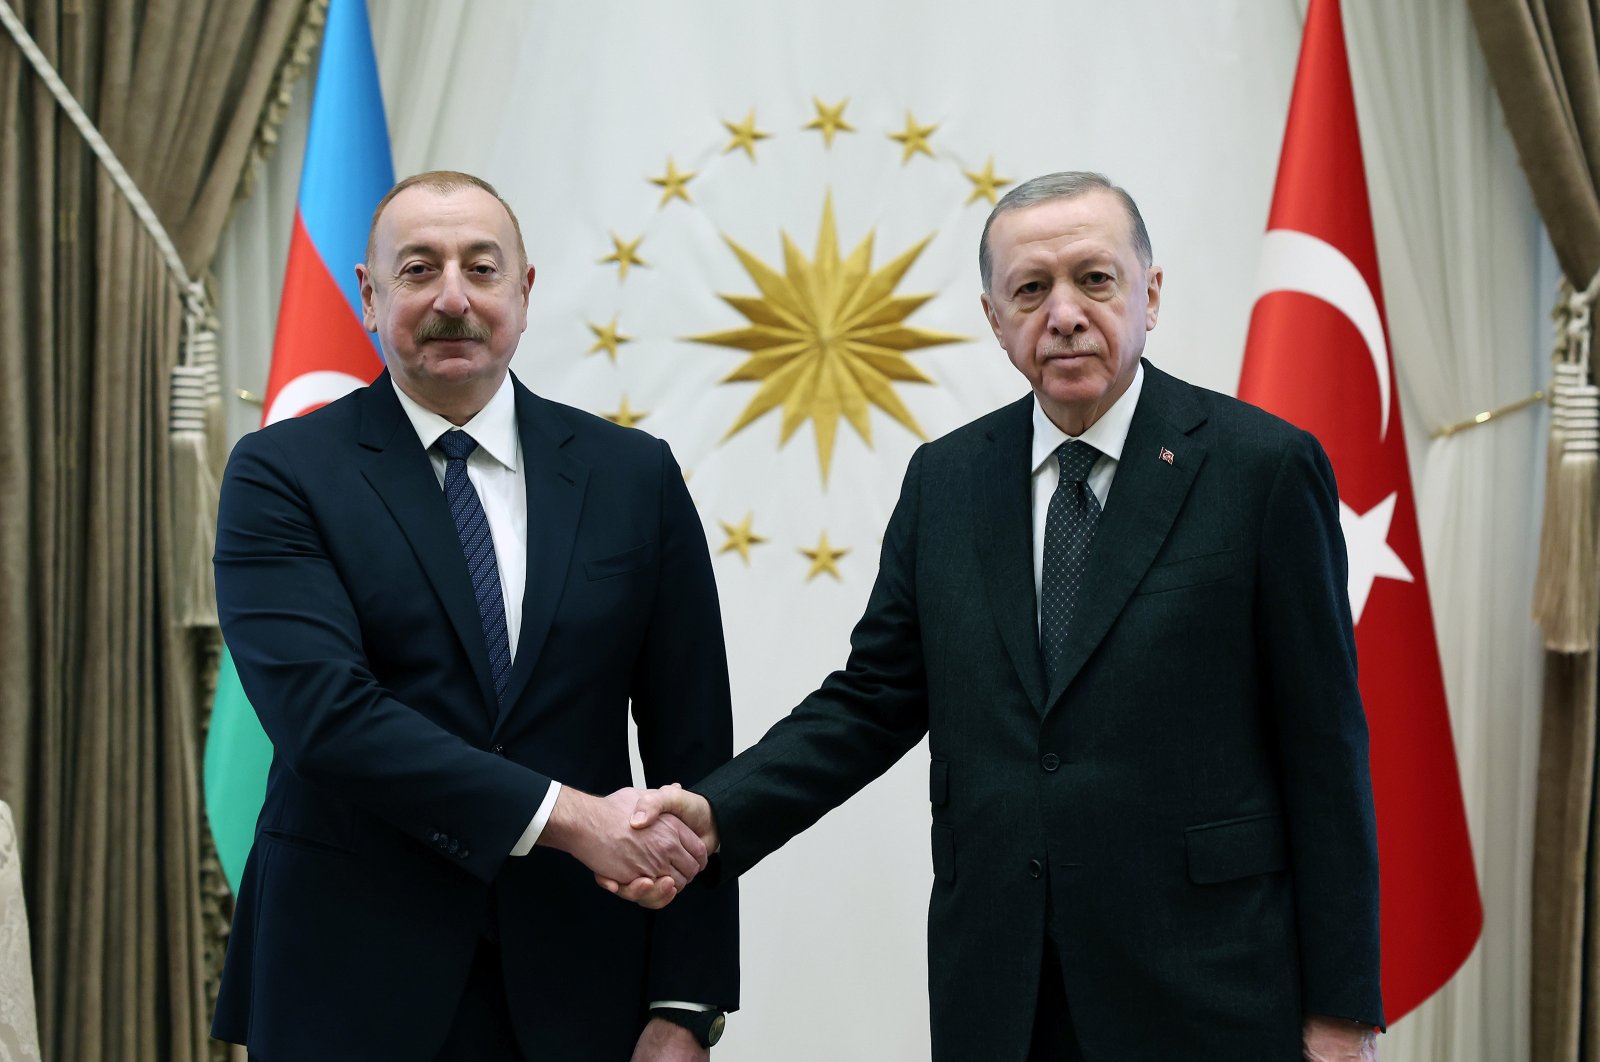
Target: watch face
713,1034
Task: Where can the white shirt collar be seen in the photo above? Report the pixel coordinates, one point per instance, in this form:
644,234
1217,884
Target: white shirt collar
1107,434
494,427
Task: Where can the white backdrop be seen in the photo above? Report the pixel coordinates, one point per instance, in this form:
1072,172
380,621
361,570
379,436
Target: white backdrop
568,108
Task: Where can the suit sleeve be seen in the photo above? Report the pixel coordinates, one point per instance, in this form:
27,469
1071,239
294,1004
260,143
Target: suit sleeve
681,704
1309,655
849,731
294,634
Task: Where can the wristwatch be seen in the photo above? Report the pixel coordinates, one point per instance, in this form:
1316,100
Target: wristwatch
707,1025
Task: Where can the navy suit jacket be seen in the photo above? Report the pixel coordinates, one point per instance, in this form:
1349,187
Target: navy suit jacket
1193,793
398,786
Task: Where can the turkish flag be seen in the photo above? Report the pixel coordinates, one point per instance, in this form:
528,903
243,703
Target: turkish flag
1318,356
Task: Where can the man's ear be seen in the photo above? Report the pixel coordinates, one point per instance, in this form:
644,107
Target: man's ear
369,314
994,318
1152,295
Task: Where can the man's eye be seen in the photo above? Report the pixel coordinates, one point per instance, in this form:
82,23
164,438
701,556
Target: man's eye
1032,287
1097,277
415,269
484,269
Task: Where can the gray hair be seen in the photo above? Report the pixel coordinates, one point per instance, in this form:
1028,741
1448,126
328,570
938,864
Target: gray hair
1067,185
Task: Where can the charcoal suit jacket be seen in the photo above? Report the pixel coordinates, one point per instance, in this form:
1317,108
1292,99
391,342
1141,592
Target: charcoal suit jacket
399,785
1192,794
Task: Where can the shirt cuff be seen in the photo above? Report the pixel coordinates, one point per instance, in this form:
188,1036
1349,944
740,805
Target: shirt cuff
678,1004
530,836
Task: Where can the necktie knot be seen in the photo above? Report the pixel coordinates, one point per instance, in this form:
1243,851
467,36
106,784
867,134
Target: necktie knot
1076,458
456,444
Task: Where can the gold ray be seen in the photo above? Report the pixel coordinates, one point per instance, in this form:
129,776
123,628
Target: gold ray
881,285
804,401
899,337
884,397
890,363
751,339
827,257
854,402
888,311
761,365
759,311
773,391
802,278
777,289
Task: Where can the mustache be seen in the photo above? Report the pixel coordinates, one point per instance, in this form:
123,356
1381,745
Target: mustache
1056,350
437,327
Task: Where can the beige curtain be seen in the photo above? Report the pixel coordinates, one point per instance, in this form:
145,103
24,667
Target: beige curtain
100,702
1544,56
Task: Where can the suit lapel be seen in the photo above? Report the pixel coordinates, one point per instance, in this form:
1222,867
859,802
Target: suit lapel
1004,513
556,483
1146,494
399,470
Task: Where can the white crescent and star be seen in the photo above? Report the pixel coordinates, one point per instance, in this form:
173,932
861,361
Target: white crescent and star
310,390
1297,261
1366,540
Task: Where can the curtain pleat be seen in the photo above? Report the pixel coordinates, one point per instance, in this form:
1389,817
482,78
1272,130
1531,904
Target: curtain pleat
1544,58
100,704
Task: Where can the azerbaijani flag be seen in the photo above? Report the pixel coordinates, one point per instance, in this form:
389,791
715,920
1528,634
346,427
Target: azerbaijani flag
320,353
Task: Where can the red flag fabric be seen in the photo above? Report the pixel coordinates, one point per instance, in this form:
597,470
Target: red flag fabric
1318,356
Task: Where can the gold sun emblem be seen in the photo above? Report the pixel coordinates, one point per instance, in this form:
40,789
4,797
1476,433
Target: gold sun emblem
828,339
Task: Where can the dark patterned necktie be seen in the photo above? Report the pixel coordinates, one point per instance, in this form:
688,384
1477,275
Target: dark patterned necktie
1068,532
473,528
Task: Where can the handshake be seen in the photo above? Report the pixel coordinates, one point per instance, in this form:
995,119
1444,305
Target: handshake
644,845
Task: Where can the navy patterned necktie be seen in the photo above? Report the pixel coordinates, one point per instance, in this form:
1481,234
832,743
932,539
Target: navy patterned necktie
1068,532
473,528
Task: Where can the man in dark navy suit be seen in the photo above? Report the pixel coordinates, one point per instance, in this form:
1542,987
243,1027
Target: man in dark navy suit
1117,608
443,594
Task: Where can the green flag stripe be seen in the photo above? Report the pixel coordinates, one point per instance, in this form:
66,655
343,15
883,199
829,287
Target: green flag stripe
237,756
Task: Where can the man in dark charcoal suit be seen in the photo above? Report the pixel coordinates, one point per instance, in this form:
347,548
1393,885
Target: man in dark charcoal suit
1117,608
443,593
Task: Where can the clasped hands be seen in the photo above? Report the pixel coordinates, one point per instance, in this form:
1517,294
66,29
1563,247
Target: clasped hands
644,845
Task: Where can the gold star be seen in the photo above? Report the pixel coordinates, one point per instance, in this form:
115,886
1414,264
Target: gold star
985,183
625,416
740,538
830,120
824,559
827,340
675,183
914,138
625,253
607,338
745,135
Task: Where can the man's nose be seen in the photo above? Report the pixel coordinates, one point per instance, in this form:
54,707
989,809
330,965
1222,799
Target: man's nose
1066,312
451,299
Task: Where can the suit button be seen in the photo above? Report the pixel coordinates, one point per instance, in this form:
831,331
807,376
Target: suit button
454,845
499,750
1035,868
437,837
463,853
1050,761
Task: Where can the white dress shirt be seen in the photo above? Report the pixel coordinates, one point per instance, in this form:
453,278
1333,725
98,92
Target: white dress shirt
1108,434
495,471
